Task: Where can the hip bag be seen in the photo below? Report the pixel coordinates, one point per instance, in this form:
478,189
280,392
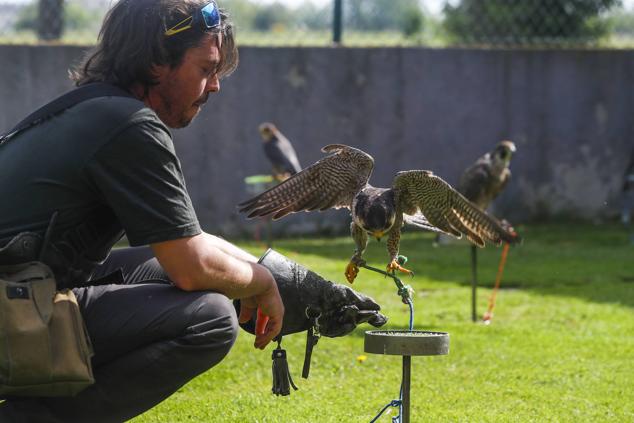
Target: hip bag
44,345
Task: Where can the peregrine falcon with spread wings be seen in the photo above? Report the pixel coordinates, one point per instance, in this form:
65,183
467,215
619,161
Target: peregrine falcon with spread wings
279,151
417,197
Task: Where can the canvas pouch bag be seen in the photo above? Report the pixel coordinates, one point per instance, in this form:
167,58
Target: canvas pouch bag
44,345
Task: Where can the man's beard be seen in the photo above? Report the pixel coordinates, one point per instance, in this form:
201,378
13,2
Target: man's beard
186,120
182,119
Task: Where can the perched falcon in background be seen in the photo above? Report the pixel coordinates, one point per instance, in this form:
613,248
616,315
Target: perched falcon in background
480,183
417,197
486,178
280,152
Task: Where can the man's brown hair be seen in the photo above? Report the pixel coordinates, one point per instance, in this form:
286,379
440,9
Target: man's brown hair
132,41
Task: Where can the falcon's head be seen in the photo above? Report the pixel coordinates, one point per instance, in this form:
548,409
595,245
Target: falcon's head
374,211
503,152
268,131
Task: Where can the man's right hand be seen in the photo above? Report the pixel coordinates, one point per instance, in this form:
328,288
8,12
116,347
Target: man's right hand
271,307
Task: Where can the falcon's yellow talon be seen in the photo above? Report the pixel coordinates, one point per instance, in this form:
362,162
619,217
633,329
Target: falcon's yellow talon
352,270
393,266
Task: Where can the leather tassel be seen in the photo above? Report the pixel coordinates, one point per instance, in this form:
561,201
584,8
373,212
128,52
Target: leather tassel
282,380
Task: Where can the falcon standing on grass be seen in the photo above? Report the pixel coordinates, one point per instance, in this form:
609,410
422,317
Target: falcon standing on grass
417,197
280,152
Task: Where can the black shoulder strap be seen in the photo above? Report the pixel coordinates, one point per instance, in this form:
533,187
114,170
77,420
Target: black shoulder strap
65,101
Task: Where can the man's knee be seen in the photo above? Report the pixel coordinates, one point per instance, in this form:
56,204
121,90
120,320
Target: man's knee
214,324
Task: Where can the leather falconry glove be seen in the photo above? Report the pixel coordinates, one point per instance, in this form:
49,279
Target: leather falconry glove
315,305
310,300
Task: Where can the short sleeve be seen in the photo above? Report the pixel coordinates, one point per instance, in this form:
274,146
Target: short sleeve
138,175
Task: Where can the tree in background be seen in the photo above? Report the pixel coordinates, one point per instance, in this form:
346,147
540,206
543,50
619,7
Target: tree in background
249,15
51,18
622,23
523,21
315,17
403,15
242,13
270,16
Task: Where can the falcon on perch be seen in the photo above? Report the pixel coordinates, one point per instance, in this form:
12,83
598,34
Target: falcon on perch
279,151
481,183
486,178
417,197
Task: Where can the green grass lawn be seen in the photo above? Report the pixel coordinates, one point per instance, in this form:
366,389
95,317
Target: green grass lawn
560,347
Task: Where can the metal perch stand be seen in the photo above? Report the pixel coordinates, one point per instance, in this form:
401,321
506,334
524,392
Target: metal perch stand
405,343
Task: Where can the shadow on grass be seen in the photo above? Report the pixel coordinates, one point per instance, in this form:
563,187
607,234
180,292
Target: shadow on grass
592,262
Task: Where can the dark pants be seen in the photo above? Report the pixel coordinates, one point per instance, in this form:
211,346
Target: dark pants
149,338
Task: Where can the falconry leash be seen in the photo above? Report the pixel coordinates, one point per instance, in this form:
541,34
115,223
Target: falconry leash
488,315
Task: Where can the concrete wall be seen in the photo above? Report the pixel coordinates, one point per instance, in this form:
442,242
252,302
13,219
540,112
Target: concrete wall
569,113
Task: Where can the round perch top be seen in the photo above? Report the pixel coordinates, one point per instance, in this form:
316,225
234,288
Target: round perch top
406,342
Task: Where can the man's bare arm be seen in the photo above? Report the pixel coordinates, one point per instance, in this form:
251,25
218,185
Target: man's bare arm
206,262
231,249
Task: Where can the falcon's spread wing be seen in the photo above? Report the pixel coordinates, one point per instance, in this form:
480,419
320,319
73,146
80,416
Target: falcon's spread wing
331,182
446,209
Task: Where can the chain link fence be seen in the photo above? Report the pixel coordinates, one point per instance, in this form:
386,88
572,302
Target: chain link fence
363,23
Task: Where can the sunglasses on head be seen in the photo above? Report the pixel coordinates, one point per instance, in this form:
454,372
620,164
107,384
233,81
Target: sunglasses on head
208,15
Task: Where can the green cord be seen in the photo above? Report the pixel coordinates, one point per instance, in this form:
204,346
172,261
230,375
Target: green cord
404,291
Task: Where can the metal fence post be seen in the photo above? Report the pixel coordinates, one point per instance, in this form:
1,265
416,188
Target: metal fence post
50,19
337,22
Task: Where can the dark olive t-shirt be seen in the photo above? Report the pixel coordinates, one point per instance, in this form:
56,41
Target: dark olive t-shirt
107,163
